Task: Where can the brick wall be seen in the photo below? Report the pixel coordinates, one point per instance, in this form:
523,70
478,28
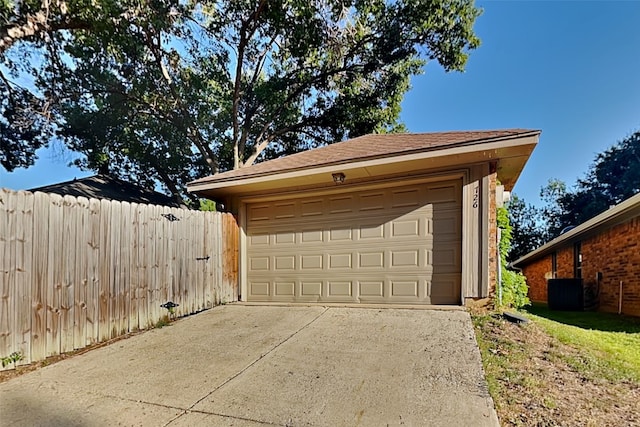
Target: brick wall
615,253
536,274
565,262
538,271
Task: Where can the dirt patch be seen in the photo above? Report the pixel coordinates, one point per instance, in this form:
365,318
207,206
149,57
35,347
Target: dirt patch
536,380
23,369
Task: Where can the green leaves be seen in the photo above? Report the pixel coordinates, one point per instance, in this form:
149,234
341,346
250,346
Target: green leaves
513,286
14,358
171,91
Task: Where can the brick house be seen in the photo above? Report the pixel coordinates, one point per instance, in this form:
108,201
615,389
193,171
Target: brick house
604,252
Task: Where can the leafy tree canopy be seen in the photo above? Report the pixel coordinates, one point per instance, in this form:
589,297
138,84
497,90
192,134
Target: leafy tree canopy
526,231
169,91
613,177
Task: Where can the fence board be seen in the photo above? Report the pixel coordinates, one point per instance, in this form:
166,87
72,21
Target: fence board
163,228
222,245
172,278
77,271
81,210
5,266
55,273
134,276
186,264
230,257
70,212
14,295
104,321
23,266
114,260
124,268
93,274
143,273
199,282
207,279
40,280
155,227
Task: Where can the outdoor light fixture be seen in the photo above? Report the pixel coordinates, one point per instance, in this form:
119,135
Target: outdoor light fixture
338,177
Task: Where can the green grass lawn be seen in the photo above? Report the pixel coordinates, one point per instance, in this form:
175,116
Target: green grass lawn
609,343
561,368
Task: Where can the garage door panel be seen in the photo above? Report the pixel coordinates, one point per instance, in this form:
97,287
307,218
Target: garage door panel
313,207
259,239
449,192
406,197
371,260
407,227
311,236
404,258
259,263
389,245
371,288
371,202
340,205
444,289
340,261
311,262
257,213
447,224
371,232
311,288
259,289
447,258
284,289
340,234
340,288
284,210
287,263
426,289
284,238
404,288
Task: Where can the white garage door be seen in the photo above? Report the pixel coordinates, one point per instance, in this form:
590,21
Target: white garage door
393,245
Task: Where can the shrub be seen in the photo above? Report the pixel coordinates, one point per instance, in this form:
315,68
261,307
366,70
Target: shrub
514,284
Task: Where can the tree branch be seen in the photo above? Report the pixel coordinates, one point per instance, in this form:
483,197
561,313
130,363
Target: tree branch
34,25
194,135
261,141
246,33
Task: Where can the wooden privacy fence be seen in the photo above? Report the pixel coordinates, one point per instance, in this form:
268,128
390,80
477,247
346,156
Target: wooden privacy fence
77,271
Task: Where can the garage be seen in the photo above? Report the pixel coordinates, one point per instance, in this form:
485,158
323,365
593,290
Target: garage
379,219
389,245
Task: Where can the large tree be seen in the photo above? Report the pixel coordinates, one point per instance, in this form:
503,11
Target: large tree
171,91
613,177
527,229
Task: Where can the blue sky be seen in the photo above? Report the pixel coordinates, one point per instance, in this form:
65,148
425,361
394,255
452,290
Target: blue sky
570,69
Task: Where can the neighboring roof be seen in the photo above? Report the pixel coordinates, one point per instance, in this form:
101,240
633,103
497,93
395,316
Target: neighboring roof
619,213
107,187
365,149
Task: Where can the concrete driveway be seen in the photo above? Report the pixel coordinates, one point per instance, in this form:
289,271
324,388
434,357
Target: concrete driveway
241,365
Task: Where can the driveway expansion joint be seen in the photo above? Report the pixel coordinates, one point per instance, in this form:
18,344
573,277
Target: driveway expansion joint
250,365
185,411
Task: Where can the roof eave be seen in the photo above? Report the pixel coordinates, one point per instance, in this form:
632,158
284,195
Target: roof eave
514,152
619,213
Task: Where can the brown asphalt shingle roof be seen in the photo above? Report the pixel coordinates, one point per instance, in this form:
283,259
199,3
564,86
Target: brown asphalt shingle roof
367,147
